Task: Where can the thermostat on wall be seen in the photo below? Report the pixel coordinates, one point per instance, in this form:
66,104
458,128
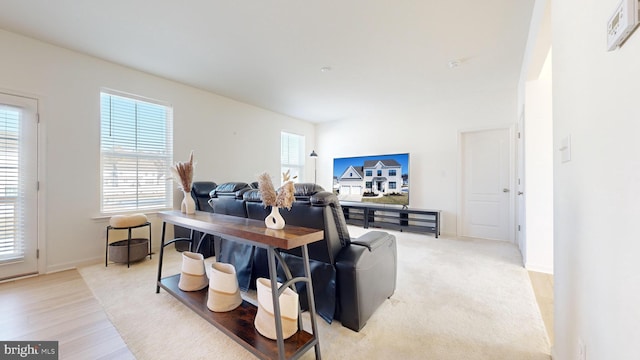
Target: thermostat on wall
622,23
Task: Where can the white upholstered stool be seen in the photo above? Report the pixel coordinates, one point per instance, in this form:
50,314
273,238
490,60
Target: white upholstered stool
128,222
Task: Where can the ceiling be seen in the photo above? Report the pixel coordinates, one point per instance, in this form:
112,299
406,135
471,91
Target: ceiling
384,55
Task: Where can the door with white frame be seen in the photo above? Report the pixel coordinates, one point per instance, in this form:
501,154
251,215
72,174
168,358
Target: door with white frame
486,181
18,186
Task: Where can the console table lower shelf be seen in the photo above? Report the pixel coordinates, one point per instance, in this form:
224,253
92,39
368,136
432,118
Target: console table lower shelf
238,323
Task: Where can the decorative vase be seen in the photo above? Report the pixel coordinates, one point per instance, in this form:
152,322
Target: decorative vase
188,205
193,276
265,320
224,293
274,220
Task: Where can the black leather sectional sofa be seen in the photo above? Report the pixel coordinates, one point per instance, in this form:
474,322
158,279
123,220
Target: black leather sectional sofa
351,277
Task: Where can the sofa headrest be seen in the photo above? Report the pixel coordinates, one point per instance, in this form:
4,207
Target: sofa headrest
252,195
304,190
324,198
229,189
202,188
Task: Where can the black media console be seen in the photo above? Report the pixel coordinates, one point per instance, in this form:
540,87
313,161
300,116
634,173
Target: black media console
413,220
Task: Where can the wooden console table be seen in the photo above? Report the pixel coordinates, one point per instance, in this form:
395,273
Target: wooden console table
238,323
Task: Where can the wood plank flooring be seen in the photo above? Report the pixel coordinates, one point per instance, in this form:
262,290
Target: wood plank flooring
59,307
543,288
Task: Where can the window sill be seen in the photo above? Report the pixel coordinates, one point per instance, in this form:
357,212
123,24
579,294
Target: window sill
153,212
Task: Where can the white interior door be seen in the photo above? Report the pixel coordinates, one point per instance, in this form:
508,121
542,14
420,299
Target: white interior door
18,186
487,210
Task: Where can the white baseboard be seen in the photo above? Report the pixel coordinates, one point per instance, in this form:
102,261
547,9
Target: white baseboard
73,265
539,268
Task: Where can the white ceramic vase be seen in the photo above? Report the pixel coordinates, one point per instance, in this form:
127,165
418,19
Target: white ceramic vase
274,220
188,205
265,321
224,293
192,275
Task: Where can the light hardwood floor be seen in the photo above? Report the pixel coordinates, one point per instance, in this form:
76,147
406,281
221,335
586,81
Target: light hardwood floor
543,288
59,307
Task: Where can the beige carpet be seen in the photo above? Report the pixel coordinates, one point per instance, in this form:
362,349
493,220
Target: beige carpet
455,299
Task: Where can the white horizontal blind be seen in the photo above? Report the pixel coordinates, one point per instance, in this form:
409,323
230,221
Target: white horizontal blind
136,153
11,214
292,155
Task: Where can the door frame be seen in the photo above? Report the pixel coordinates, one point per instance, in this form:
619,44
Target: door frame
520,196
512,176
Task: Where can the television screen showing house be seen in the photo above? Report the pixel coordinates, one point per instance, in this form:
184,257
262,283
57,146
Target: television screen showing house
381,179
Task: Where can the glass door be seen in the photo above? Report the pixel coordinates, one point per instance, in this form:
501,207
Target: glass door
18,186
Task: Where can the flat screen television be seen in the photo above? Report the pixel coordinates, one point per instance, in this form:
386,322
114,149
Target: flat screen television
378,179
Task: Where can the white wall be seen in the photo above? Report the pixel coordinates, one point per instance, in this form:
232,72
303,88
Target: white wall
232,141
597,193
535,101
429,134
539,172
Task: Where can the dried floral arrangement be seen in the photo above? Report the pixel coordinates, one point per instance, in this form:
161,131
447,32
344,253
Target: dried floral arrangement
183,174
286,194
283,198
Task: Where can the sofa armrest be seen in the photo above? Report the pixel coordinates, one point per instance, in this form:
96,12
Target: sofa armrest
371,240
366,277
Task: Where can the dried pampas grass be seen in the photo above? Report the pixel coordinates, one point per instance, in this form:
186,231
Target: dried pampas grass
286,195
283,198
266,190
286,177
183,174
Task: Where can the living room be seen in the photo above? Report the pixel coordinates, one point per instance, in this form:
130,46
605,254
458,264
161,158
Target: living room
235,141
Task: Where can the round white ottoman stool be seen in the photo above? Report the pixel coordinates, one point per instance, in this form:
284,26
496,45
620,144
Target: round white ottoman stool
136,249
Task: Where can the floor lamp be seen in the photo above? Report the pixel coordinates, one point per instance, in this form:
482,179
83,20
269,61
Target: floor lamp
315,167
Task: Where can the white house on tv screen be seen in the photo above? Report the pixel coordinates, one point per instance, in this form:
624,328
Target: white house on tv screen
379,177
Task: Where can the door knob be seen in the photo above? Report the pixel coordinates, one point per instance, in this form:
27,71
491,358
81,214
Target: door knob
520,193
505,190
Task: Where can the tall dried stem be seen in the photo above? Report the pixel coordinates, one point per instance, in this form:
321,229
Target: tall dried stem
286,195
266,190
183,174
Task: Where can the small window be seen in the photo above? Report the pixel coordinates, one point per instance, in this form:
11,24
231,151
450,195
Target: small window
369,173
392,173
379,172
392,185
292,155
136,150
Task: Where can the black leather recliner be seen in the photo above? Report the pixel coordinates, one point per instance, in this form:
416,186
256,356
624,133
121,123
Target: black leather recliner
227,198
355,276
366,267
200,191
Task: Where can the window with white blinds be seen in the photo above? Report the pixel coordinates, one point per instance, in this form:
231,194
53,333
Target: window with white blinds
292,155
136,147
11,244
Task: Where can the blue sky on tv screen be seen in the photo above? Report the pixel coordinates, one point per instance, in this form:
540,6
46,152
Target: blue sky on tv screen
341,164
